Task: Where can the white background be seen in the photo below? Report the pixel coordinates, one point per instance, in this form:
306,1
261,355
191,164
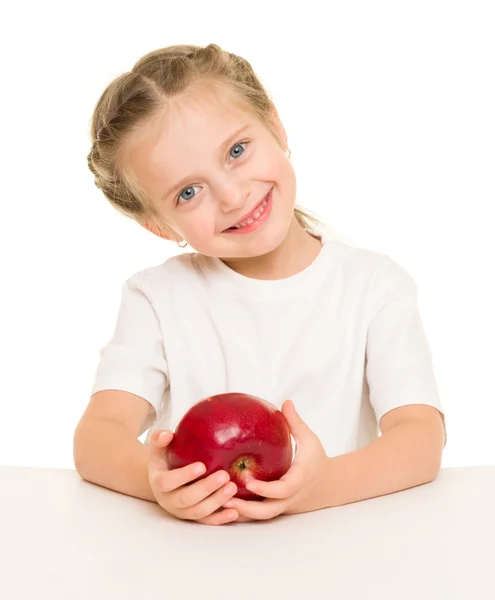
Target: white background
389,109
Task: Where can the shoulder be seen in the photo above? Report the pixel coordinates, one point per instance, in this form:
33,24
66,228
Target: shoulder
377,280
383,270
181,270
355,258
376,271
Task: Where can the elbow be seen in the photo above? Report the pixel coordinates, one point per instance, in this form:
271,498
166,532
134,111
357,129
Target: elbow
78,453
433,469
433,443
436,470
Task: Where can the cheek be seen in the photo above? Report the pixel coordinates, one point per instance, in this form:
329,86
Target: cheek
288,173
198,226
280,169
285,178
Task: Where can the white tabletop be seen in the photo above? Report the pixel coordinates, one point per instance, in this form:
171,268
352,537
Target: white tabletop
64,538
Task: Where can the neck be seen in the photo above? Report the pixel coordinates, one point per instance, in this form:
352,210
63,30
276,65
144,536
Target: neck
298,250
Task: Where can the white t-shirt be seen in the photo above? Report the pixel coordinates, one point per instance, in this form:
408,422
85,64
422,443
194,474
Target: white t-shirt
343,339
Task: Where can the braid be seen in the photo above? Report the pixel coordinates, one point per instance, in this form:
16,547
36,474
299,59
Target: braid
140,94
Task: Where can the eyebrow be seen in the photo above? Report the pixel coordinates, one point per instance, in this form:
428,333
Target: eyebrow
221,148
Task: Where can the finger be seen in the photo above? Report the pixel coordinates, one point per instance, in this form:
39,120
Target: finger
243,519
200,490
220,518
260,511
298,427
177,478
208,506
271,489
285,487
158,442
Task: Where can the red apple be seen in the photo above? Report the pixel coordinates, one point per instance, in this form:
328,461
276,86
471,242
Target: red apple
244,435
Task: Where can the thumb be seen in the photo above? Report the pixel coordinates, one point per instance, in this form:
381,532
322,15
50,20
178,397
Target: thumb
298,427
158,444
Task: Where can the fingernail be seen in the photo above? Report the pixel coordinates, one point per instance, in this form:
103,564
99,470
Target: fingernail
228,504
161,437
252,487
222,478
198,469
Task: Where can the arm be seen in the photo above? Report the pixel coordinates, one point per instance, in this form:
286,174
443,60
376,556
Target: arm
106,453
106,446
407,454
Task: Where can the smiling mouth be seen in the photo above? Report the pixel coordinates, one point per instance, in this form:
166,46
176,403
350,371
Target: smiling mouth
253,216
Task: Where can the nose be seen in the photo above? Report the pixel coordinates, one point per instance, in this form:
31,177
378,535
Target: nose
231,196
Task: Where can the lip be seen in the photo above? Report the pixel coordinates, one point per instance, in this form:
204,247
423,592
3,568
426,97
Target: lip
259,222
251,213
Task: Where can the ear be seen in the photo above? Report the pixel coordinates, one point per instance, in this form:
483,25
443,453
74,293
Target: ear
277,123
156,230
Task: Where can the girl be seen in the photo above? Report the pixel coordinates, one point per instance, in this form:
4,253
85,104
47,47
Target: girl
190,146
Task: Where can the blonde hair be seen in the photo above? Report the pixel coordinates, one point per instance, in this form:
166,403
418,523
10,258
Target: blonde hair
140,94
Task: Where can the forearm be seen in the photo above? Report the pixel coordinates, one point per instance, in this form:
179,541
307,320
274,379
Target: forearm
406,456
106,453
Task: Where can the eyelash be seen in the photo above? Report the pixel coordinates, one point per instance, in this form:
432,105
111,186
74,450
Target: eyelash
177,199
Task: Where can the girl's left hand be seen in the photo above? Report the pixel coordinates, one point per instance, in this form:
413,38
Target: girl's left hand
297,490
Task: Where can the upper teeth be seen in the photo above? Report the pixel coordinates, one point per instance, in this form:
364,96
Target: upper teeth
254,217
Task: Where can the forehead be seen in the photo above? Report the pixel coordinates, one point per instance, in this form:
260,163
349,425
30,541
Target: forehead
208,100
192,124
204,110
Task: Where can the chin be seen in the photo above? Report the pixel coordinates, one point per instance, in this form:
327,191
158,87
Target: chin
260,247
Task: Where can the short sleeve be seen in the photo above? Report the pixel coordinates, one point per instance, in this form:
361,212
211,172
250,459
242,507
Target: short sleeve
134,358
399,367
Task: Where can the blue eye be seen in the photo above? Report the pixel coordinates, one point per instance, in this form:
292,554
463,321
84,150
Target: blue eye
185,190
184,200
237,146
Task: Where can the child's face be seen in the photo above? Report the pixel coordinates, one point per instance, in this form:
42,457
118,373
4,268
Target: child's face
214,188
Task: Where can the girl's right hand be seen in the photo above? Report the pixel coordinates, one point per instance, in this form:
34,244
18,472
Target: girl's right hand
201,501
